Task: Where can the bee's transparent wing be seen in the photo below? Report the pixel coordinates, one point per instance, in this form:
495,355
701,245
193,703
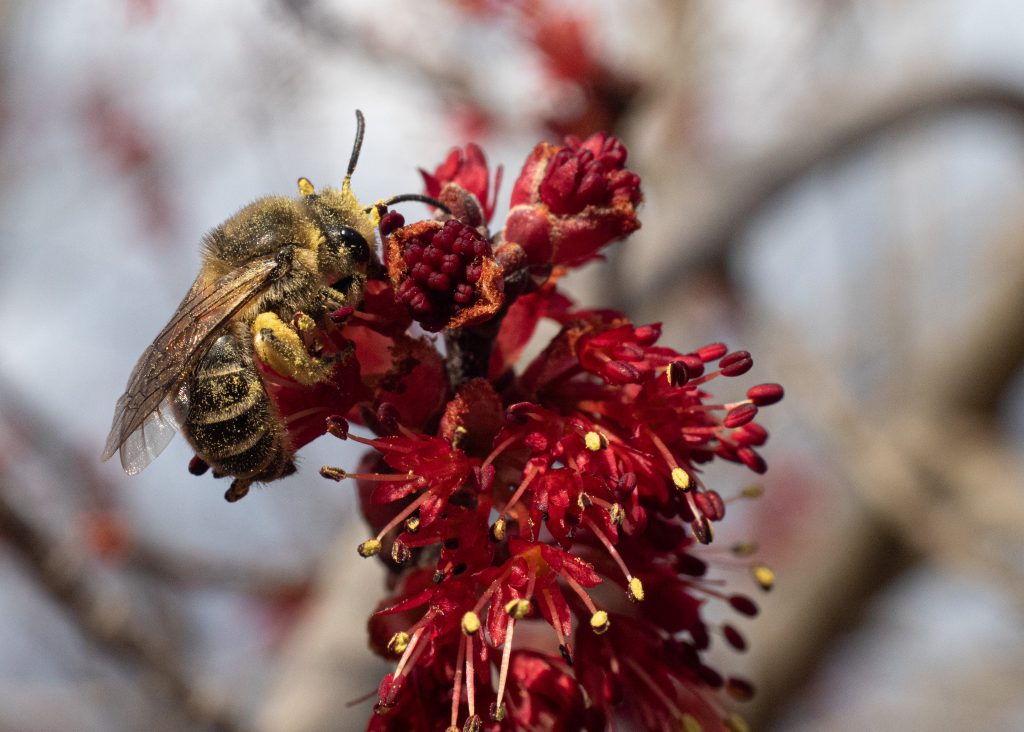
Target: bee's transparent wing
142,446
156,399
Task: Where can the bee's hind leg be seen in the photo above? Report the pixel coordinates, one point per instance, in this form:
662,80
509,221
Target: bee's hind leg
239,489
281,347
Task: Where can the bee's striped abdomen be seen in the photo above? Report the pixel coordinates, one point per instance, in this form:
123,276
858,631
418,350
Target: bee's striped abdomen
230,422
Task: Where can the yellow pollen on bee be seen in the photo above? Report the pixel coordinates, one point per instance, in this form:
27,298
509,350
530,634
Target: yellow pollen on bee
599,622
517,609
470,623
635,591
681,479
595,441
398,642
304,323
690,723
764,576
369,548
305,187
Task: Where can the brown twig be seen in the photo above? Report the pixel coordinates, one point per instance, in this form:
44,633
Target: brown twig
102,620
709,250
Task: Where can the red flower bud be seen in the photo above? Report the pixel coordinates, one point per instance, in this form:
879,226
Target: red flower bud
571,201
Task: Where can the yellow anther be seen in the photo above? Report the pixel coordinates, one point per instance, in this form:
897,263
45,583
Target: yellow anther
681,479
369,548
736,723
498,530
399,642
744,548
498,712
400,553
333,473
635,591
517,609
752,491
305,187
412,524
595,441
617,514
764,576
470,623
690,723
599,622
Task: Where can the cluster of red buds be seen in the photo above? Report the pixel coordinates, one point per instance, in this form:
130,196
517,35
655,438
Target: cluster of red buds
564,492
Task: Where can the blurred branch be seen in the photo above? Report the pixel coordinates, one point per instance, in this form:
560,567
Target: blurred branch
102,620
709,250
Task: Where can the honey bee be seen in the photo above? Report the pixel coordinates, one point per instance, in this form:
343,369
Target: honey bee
275,259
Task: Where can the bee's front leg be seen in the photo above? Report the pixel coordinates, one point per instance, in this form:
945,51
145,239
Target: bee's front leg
283,348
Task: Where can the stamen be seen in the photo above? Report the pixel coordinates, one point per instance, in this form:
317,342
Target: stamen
655,689
470,678
369,548
556,622
498,711
291,419
497,451
764,576
530,472
470,623
744,548
634,588
409,650
595,441
599,622
736,723
457,693
404,514
398,642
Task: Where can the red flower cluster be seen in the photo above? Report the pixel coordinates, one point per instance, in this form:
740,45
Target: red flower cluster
564,492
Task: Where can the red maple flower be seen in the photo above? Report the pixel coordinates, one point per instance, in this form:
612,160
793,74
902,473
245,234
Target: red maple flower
566,492
570,201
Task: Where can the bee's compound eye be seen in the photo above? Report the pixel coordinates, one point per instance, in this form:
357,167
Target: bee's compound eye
350,240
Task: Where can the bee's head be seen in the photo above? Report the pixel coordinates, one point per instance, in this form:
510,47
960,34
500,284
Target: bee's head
346,246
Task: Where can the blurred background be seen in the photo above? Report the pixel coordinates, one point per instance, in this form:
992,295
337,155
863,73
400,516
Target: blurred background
836,186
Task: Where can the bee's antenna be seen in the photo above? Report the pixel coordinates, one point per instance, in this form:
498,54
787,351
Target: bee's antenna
413,197
356,147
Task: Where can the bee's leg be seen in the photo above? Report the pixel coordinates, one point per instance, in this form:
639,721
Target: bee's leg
347,291
281,347
238,490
